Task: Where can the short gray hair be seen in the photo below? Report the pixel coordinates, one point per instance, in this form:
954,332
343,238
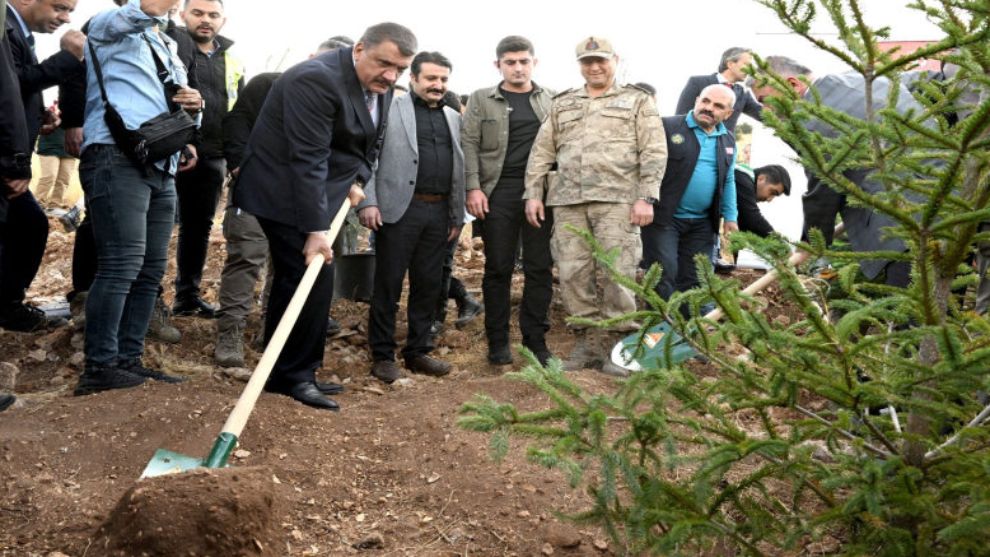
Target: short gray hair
719,86
337,41
391,32
787,67
731,55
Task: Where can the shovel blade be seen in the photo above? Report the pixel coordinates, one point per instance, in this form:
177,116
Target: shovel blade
167,462
659,348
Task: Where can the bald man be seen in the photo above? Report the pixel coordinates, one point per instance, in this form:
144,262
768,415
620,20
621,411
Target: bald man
698,190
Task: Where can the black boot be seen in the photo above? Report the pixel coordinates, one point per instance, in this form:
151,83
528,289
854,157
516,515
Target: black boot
96,379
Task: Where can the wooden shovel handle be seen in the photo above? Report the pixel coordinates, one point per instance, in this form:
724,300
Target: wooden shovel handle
766,280
245,404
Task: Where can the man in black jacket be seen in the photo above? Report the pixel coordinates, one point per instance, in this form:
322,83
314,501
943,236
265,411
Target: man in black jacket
697,191
219,77
315,140
752,186
21,259
731,73
15,151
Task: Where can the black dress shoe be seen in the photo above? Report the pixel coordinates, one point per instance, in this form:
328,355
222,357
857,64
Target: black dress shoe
333,327
308,394
386,371
436,328
329,388
466,312
196,307
95,379
6,400
538,347
136,368
723,267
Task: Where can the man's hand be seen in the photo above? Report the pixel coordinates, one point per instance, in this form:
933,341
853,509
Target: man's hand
73,141
455,231
729,227
73,42
355,195
370,217
189,99
188,158
477,204
535,212
641,213
16,187
317,243
235,172
51,120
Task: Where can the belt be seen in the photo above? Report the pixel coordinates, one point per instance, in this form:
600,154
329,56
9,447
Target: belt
430,197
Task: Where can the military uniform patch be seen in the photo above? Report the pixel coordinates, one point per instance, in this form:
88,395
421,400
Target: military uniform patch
677,139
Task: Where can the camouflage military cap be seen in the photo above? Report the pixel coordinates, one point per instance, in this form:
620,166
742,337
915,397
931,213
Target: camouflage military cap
595,46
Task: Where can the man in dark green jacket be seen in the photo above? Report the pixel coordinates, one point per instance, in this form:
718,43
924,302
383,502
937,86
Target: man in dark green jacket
499,128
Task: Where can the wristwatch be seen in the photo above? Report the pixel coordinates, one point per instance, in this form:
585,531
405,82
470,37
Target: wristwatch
650,200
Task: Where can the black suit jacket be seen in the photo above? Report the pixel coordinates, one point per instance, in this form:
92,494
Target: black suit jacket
313,139
15,151
682,156
35,77
745,103
750,217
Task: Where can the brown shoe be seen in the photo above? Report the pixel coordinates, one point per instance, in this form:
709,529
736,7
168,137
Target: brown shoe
426,365
386,371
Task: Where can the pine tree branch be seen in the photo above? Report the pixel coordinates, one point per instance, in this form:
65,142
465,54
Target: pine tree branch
975,422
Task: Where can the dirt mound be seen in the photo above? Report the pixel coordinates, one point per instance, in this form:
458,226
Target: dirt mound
203,513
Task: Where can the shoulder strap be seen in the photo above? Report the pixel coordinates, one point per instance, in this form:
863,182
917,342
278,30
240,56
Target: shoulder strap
99,71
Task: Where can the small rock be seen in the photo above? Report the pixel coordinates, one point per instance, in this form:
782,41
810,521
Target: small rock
357,340
373,540
547,549
78,360
434,478
78,341
38,355
562,535
8,376
523,514
237,373
56,554
241,454
600,545
374,390
405,382
782,320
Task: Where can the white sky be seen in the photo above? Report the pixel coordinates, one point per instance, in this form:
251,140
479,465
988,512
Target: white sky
662,43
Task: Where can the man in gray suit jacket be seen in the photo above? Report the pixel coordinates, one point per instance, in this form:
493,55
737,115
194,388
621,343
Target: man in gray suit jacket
415,203
846,93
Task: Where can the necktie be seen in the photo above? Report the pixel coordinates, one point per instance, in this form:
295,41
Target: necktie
30,41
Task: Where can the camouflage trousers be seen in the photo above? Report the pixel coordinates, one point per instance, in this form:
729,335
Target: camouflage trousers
609,224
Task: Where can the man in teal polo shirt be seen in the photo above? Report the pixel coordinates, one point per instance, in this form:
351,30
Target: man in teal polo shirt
698,190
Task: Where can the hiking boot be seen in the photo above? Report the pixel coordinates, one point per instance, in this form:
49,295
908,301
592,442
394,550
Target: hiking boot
436,328
135,367
161,327
77,308
586,352
426,365
25,319
70,219
195,307
386,371
229,351
609,340
96,379
467,309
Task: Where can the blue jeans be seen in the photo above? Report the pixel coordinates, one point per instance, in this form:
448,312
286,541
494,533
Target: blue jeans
132,215
674,246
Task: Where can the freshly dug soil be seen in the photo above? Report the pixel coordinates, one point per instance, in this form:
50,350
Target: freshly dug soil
204,512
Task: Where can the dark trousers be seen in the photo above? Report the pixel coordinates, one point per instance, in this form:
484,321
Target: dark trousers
22,246
505,225
451,287
199,193
416,243
83,257
133,213
303,351
674,246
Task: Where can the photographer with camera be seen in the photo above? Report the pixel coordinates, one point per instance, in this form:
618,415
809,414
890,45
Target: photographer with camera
139,114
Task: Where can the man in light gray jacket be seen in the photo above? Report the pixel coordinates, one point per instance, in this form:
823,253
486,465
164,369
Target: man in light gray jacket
415,203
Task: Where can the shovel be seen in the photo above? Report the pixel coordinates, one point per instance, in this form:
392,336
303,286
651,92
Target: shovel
168,462
660,347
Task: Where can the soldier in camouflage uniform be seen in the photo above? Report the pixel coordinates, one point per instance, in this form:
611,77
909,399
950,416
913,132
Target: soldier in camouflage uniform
610,152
